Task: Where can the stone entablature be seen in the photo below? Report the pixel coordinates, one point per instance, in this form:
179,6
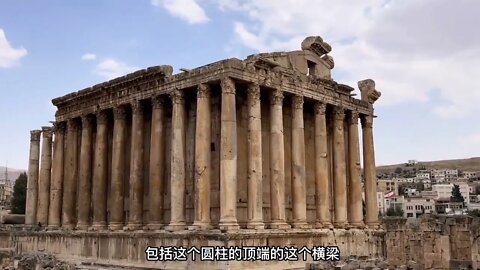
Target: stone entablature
153,81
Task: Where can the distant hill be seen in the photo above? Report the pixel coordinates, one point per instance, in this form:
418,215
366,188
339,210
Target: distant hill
12,173
468,164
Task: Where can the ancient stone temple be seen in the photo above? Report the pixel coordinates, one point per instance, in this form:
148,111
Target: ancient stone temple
257,152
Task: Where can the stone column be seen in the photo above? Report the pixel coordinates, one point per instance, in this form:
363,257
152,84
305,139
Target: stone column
322,177
371,217
202,159
55,206
340,177
157,165
355,209
255,191
32,184
69,209
85,174
45,173
135,217
117,213
177,163
277,163
228,157
299,199
100,174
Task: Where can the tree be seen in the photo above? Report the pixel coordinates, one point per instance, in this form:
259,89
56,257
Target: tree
456,195
398,170
474,213
420,186
396,211
19,196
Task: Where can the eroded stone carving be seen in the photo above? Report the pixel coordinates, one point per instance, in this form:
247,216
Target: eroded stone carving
368,91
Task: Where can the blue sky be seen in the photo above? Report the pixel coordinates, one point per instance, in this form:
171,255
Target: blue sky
426,66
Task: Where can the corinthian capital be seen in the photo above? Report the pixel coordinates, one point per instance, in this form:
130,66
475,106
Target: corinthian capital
339,113
276,97
177,96
157,102
228,86
297,102
102,118
119,113
354,117
203,90
87,121
59,127
47,132
253,92
137,107
367,121
320,108
35,135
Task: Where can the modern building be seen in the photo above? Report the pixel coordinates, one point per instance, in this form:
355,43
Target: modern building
444,191
415,207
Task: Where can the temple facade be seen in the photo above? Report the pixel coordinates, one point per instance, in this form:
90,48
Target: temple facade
268,143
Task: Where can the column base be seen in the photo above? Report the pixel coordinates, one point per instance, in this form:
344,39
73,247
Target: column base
228,225
101,226
176,226
82,226
115,226
301,225
357,225
340,225
279,224
68,227
323,225
53,227
255,225
133,227
373,225
198,225
153,227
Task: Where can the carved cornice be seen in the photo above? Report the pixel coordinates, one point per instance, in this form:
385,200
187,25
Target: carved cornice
276,97
253,92
137,107
177,97
47,132
120,113
320,108
367,121
297,102
87,121
338,113
35,135
102,118
203,90
228,86
157,102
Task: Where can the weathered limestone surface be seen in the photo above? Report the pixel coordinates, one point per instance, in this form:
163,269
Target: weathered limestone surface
100,174
85,185
45,174
33,171
54,211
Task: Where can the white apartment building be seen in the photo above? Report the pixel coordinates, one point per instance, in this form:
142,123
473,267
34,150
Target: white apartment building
469,175
453,173
423,175
444,191
415,207
427,183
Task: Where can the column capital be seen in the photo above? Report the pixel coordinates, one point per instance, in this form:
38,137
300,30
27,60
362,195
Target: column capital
276,97
119,113
203,90
157,102
137,107
320,108
47,132
87,121
228,86
367,121
253,93
338,113
354,115
35,135
102,118
297,102
177,97
59,127
71,124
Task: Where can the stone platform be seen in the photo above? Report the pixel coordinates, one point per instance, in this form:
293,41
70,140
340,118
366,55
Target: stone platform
127,249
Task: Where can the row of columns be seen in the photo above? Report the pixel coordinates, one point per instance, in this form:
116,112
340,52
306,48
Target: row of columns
46,205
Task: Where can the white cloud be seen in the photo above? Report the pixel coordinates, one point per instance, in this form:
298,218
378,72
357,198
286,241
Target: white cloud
410,48
89,57
188,10
111,68
9,56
